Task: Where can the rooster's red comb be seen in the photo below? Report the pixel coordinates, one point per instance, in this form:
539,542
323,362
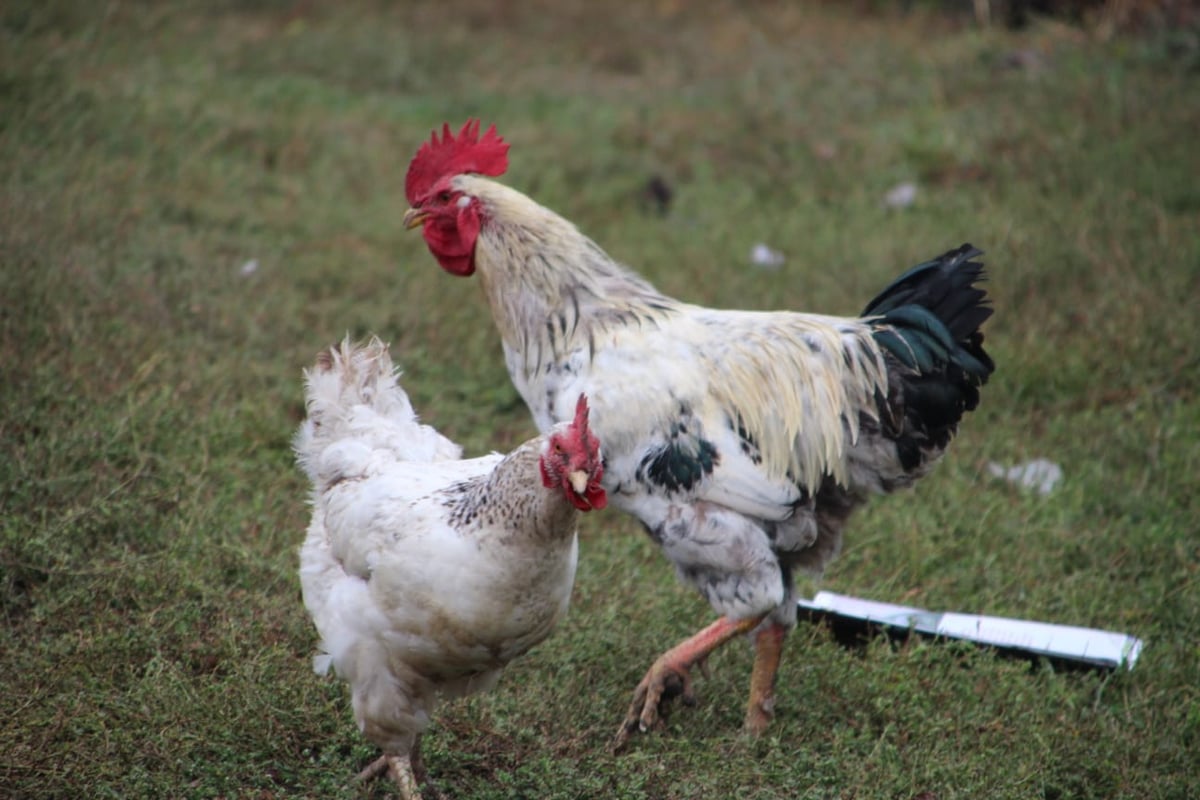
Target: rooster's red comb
455,155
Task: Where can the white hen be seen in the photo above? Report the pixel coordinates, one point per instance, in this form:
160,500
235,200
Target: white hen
426,574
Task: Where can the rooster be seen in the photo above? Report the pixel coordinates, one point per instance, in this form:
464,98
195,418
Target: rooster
426,574
741,440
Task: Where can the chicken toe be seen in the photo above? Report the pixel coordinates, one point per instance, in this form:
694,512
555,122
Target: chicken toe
670,677
406,771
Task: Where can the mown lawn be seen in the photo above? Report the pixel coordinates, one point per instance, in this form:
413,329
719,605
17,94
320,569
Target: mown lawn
196,197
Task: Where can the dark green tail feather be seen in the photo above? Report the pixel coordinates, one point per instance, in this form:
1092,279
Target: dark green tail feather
928,320
933,314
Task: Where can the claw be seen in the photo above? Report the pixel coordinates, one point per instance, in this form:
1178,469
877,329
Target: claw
652,700
401,770
670,677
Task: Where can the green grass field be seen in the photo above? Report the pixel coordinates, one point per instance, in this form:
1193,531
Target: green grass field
154,643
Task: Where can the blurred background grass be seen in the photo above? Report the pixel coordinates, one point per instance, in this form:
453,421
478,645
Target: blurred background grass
197,197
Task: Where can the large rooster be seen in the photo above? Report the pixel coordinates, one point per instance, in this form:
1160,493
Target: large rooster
426,574
742,440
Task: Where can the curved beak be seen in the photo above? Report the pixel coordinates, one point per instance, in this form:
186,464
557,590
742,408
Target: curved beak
579,481
414,218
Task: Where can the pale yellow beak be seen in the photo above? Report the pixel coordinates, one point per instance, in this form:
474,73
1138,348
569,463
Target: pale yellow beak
414,218
579,481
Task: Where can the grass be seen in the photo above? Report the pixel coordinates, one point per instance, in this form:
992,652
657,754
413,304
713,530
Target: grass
154,644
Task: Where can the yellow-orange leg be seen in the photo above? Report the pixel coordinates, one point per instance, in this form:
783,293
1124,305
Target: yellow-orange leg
670,676
768,648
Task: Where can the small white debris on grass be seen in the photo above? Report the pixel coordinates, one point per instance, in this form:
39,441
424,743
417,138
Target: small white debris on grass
901,195
763,256
249,268
1039,474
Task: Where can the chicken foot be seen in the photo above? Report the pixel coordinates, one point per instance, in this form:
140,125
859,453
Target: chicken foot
670,676
407,771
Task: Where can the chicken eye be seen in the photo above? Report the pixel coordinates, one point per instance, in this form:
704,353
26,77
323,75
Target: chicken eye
444,197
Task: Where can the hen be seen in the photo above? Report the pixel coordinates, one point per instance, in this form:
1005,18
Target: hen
741,440
426,574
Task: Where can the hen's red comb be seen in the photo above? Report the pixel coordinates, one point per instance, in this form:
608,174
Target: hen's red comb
455,155
581,413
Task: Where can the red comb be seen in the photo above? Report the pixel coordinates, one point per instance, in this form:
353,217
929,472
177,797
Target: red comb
455,155
581,413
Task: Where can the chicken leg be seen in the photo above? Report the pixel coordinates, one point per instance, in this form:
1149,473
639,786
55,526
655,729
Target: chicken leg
768,649
670,676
